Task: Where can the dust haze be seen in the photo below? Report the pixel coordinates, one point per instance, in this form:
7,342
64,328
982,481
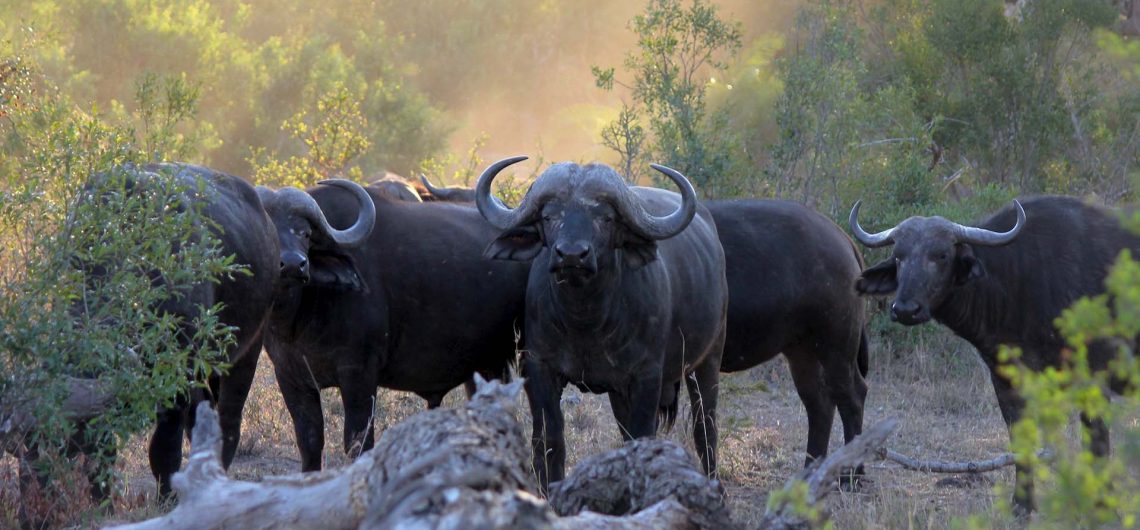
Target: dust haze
526,83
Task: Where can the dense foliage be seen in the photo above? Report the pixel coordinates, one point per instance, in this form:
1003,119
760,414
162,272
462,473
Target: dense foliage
86,267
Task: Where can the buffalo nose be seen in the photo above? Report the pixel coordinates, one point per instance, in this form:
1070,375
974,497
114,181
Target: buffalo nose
572,252
294,262
904,310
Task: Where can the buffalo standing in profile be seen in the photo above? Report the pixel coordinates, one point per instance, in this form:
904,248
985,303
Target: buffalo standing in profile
414,308
236,214
626,296
996,284
790,275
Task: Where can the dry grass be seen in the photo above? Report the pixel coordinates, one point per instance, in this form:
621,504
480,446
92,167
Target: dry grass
939,390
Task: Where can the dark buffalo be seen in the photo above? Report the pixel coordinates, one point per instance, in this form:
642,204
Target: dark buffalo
415,308
446,194
790,275
396,187
626,296
237,217
1003,282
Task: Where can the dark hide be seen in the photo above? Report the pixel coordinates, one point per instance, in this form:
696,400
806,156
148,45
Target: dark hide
1007,294
790,274
246,232
612,312
415,308
397,188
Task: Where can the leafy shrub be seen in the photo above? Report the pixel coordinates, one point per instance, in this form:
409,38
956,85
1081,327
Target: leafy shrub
84,269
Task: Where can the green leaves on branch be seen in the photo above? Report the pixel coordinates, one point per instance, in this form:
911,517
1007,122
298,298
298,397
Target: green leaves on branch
89,263
333,136
1082,491
679,48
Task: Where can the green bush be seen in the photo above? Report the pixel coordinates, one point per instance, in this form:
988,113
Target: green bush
84,270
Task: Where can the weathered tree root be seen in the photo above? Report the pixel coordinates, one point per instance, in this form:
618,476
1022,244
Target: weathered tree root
464,468
635,477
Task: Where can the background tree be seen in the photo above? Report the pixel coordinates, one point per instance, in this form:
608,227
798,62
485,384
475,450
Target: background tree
678,48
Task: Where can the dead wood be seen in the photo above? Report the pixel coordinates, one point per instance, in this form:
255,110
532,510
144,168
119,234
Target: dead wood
822,477
638,476
944,466
467,468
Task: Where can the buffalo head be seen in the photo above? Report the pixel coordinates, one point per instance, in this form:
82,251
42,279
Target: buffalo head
302,228
931,257
585,215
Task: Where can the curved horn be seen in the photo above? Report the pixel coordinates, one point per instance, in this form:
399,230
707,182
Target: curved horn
491,209
989,238
359,230
442,193
880,239
670,225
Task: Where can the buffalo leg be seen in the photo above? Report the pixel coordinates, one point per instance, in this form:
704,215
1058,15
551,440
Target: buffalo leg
231,400
619,404
644,402
548,442
358,394
848,390
304,404
806,374
702,385
1099,443
1011,405
166,445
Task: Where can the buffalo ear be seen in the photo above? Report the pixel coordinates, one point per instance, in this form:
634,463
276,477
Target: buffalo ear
637,251
967,266
521,243
334,271
879,279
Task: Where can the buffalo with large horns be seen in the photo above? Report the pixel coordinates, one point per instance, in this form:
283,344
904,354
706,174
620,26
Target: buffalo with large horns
266,231
414,308
1003,282
626,296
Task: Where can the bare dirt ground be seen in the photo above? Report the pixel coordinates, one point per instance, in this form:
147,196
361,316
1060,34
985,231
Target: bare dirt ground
934,384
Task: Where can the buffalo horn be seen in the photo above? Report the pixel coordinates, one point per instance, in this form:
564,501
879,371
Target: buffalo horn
670,225
880,239
989,238
492,210
442,193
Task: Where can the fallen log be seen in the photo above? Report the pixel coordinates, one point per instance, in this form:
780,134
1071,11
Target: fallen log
944,466
468,468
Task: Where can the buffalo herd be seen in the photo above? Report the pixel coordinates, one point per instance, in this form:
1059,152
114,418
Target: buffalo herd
616,289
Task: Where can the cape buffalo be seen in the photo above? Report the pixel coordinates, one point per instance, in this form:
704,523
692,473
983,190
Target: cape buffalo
236,213
446,194
1003,282
790,274
415,308
396,187
626,296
